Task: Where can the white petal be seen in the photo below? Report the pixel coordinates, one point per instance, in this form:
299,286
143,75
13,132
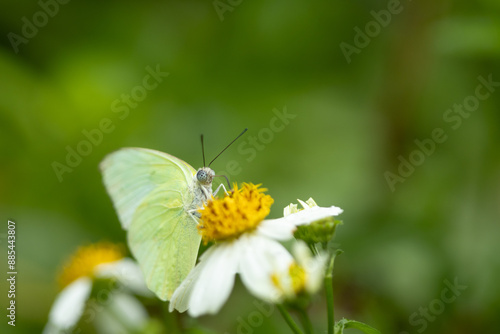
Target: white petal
310,215
261,257
181,296
131,310
127,272
302,253
216,279
278,229
123,313
69,305
315,273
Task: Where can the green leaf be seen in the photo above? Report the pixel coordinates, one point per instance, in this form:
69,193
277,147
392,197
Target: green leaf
345,323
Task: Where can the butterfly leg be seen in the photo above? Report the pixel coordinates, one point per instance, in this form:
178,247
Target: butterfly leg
218,188
194,212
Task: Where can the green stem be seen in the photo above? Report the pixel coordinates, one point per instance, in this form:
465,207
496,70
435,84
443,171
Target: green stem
306,321
172,320
288,318
329,295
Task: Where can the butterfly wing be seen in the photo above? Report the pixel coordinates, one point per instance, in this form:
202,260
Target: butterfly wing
151,192
131,174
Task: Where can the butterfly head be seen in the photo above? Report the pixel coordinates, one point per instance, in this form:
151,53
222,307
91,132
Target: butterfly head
205,175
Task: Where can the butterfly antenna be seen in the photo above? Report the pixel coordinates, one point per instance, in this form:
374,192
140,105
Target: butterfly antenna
228,184
203,150
228,146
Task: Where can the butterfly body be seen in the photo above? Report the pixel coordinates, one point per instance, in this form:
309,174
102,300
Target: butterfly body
201,189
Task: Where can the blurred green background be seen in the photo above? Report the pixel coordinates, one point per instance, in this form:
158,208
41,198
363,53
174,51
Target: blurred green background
352,119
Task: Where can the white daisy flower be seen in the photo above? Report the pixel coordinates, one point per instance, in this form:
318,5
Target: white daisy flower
305,275
309,213
245,244
101,260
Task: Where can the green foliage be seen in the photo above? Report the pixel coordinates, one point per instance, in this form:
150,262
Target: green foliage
352,123
344,323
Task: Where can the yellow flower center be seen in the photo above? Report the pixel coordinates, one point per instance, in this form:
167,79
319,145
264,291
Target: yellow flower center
239,212
275,279
86,258
293,282
298,276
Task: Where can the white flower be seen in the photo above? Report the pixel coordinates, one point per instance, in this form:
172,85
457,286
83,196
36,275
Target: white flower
245,244
303,275
90,262
309,213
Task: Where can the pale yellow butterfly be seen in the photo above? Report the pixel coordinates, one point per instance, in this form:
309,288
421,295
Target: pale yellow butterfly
156,196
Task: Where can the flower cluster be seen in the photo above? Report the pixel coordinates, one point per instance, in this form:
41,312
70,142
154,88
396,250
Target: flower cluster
246,244
281,261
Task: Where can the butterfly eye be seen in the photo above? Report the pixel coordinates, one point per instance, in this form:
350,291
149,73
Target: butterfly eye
202,176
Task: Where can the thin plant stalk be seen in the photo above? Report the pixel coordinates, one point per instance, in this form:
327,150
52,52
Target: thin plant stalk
329,295
289,320
306,321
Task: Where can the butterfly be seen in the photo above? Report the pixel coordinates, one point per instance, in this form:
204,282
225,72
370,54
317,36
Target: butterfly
157,197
